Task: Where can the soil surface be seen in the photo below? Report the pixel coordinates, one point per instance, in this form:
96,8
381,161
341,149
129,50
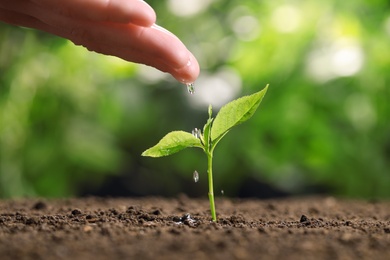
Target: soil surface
180,228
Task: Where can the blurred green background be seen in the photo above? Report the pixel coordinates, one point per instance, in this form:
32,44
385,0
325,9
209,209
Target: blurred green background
74,123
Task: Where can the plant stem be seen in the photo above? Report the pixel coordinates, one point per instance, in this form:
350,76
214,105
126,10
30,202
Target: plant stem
211,188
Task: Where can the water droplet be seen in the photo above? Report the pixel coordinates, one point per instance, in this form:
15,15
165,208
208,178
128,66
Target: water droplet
196,176
186,219
222,192
191,88
196,132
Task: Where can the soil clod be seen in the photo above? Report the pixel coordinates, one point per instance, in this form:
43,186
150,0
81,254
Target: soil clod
39,205
304,219
76,212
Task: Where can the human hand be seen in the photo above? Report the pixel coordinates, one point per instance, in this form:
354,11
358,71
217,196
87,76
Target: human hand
122,28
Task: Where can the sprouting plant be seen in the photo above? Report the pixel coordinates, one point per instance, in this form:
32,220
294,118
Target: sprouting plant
230,115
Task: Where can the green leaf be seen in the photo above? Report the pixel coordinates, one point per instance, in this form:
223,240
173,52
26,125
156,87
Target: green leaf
235,113
172,143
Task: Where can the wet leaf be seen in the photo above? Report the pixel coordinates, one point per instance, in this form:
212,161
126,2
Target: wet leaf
235,113
172,143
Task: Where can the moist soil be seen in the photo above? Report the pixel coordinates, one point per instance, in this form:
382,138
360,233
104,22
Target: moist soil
180,228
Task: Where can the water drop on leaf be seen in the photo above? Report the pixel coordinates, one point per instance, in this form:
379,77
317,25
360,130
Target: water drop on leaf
196,132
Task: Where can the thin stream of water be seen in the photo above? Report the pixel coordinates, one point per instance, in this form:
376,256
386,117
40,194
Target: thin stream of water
191,88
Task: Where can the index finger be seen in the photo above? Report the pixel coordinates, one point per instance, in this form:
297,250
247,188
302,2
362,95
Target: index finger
118,11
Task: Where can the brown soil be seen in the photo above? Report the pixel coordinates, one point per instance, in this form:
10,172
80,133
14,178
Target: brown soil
159,228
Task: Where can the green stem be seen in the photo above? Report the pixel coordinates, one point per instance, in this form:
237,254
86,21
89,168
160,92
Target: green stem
211,188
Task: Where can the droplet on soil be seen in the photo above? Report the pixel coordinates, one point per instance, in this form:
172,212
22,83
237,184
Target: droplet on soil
191,88
186,219
196,176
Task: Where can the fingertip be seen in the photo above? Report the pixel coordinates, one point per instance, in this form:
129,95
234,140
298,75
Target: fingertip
189,72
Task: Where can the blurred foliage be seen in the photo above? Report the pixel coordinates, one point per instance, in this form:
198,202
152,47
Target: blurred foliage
74,122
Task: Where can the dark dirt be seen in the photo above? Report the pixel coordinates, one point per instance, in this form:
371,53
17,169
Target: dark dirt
159,228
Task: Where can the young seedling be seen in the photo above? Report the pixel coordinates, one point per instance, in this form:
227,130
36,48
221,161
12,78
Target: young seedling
230,115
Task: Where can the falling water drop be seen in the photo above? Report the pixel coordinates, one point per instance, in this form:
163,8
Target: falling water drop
191,88
196,176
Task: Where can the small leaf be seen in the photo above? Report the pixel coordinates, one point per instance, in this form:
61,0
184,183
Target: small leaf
210,111
172,143
207,129
235,113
